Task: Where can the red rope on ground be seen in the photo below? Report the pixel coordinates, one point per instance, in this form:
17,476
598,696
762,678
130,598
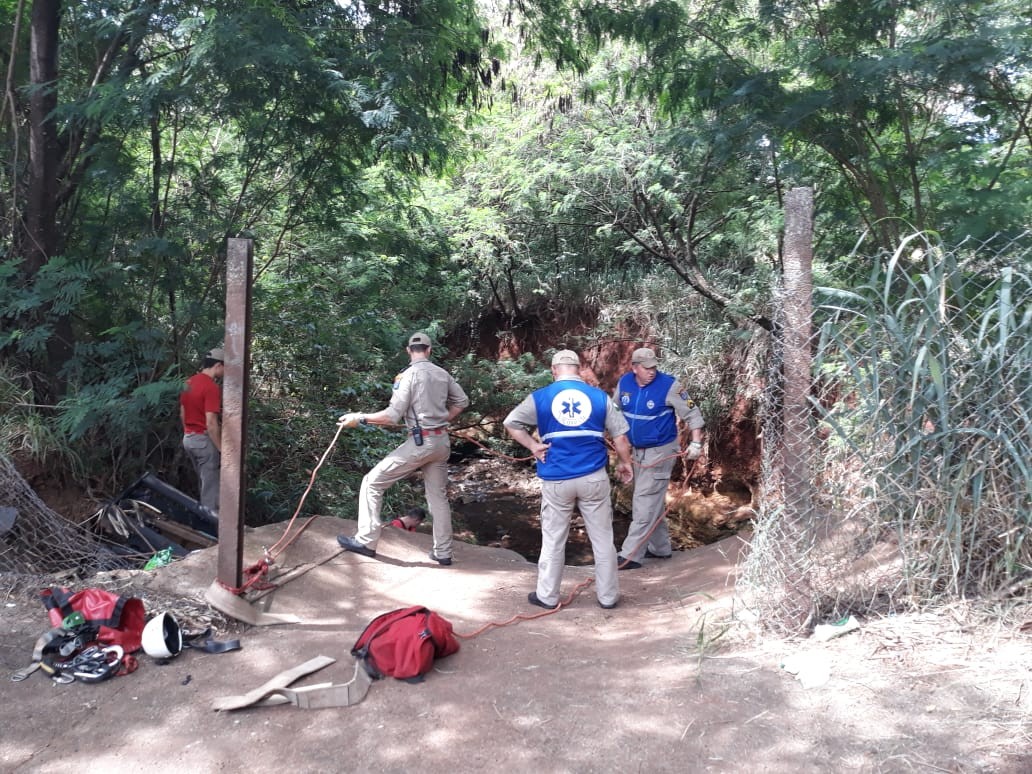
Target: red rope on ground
260,569
580,587
254,576
531,616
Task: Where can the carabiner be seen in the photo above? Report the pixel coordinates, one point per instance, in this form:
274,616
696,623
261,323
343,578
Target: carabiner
93,664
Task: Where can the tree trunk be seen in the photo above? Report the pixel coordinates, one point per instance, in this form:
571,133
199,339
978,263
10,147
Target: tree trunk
44,150
39,238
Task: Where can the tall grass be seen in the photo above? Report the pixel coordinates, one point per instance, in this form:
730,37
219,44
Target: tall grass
927,383
921,442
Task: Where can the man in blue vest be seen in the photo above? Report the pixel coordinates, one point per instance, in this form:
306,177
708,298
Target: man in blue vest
572,418
652,401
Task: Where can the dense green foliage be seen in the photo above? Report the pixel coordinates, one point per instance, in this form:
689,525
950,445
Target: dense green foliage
178,124
425,163
909,115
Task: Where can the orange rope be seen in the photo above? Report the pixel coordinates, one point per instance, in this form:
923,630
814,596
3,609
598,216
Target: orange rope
258,571
531,616
281,545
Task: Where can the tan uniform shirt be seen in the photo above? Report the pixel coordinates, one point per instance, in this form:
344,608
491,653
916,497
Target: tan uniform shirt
426,391
677,398
683,406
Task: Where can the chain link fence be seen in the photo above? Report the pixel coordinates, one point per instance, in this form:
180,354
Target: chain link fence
918,441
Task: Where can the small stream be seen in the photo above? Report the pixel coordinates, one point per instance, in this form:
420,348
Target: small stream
497,504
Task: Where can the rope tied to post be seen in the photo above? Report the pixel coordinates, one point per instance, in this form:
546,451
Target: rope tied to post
256,574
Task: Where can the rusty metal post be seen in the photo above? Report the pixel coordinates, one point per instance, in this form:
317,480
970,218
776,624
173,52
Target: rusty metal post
233,487
798,433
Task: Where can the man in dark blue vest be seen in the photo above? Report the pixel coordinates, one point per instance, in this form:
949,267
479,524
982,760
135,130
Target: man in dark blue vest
572,419
652,401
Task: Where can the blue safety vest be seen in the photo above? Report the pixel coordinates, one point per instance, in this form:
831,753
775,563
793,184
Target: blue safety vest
652,421
571,417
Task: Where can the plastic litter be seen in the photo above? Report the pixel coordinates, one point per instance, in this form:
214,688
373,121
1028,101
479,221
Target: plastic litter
825,632
812,670
160,559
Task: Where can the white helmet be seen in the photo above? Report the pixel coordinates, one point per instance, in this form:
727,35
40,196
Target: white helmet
162,637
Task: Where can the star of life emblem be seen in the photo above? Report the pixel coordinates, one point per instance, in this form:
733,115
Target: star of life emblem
571,408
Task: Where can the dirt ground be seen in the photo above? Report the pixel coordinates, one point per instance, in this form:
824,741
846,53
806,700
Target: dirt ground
674,679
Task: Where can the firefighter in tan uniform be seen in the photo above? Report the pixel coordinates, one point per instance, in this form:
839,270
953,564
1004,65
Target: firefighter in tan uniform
426,398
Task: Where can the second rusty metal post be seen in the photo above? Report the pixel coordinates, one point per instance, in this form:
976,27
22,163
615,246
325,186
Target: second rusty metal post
237,346
798,334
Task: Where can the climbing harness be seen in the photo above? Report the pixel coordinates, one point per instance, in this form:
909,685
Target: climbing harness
91,665
68,654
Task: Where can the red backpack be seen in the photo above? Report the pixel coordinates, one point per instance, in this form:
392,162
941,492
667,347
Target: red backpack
118,620
404,643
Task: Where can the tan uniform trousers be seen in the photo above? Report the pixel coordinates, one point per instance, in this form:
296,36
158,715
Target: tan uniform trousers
432,459
590,495
652,469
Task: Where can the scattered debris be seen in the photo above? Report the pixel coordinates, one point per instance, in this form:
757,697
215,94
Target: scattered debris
811,669
825,632
156,520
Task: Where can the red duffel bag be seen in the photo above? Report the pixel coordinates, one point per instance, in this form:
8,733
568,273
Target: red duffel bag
404,643
119,620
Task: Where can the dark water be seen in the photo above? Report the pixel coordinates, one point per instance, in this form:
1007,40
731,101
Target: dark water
510,521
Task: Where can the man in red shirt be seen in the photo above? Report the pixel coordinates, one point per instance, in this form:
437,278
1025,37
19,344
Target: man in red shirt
410,519
200,409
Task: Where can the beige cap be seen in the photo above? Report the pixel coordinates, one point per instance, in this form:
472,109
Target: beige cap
217,354
565,357
419,338
644,357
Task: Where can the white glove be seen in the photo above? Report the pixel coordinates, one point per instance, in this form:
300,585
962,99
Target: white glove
350,420
694,451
